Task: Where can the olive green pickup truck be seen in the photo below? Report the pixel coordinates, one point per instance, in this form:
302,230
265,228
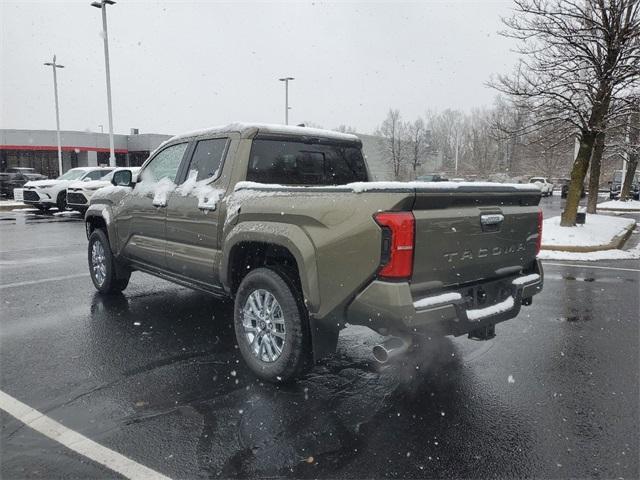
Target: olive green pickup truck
286,221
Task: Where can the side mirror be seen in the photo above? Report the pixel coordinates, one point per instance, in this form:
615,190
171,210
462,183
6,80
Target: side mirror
122,178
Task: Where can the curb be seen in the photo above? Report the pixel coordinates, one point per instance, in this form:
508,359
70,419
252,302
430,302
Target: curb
616,242
8,208
626,210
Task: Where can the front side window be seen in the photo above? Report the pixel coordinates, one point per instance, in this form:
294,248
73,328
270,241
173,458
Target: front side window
207,158
165,164
297,163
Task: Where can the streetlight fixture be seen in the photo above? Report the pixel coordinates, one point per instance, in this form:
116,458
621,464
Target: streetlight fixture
286,98
102,4
54,66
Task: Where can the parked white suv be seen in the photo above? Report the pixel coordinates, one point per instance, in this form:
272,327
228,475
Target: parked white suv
45,194
80,192
545,186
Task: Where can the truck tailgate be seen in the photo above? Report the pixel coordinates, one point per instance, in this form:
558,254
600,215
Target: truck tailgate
472,234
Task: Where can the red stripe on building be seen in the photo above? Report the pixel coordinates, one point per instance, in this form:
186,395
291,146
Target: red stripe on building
64,149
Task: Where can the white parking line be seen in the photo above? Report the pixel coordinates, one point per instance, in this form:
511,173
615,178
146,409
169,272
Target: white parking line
75,441
44,280
592,266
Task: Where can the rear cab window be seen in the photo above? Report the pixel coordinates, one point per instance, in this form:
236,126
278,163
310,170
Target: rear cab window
296,162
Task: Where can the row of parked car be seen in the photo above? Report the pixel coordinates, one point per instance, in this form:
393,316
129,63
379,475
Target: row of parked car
72,190
546,187
16,177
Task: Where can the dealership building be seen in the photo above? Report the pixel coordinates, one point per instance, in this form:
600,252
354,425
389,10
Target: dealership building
38,149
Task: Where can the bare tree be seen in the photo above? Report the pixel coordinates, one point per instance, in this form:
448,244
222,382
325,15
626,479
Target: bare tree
417,136
633,152
345,129
446,130
393,143
579,59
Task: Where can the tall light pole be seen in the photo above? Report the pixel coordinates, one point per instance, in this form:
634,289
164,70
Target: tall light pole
54,66
286,98
102,4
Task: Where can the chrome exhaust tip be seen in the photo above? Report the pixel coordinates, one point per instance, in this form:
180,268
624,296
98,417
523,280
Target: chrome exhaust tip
390,349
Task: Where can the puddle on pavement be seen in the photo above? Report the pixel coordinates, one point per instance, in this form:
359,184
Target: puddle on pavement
553,276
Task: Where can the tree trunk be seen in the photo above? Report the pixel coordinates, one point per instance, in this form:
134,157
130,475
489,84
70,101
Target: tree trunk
632,163
632,167
594,172
578,172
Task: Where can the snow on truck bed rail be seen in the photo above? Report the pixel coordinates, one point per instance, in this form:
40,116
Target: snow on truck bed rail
359,187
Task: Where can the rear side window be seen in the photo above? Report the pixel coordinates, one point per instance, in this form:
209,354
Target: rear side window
297,163
207,158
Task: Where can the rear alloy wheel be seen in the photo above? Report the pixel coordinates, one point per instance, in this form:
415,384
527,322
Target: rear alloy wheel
102,267
270,324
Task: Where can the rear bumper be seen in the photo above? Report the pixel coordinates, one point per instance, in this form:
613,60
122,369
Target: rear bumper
385,305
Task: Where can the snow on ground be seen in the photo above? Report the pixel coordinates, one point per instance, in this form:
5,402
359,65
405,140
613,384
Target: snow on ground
598,230
591,256
618,205
67,213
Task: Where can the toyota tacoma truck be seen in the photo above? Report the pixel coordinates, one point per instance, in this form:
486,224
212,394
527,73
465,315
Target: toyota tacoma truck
288,223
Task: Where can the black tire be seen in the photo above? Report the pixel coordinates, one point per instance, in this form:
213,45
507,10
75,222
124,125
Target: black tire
115,280
43,208
61,201
295,349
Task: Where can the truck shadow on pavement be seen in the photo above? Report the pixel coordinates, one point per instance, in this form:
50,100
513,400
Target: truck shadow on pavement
170,358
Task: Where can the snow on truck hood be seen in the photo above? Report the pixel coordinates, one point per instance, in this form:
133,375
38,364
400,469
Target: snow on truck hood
359,187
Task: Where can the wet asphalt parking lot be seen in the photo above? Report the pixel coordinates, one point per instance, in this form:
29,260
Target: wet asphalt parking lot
155,376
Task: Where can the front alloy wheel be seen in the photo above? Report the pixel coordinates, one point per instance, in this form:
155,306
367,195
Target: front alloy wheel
98,265
107,277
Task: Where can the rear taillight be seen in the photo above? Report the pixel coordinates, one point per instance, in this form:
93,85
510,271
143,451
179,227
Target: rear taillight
539,239
398,238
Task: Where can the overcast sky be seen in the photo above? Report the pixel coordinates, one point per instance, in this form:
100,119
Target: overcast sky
181,65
